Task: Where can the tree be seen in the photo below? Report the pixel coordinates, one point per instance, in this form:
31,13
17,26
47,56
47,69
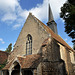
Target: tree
9,48
71,2
68,15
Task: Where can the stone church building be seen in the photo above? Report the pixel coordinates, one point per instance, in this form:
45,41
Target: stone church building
39,50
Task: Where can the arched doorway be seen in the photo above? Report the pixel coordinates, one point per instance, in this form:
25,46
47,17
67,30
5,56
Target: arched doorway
28,72
16,69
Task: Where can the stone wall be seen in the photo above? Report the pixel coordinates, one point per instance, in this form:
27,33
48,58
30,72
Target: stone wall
51,51
72,56
55,50
65,56
51,63
38,33
53,68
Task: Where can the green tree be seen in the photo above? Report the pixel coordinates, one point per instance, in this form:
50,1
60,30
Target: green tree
71,2
9,48
68,15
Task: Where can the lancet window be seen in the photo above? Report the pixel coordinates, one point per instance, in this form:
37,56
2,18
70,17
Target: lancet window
29,45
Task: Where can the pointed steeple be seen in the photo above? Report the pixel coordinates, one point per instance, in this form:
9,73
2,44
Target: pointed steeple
50,15
51,23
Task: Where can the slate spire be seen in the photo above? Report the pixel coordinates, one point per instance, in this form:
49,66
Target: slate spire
51,23
50,15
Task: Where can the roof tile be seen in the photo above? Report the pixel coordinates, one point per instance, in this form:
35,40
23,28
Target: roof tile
29,61
3,56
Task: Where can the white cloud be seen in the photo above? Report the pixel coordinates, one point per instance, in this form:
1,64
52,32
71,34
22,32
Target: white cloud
41,10
16,26
9,16
1,40
12,11
66,39
2,49
8,5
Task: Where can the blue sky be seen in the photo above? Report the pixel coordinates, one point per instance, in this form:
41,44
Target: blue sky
13,14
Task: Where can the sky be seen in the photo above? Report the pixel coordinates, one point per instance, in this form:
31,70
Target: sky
13,14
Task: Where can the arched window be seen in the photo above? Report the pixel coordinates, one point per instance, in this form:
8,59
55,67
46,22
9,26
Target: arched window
29,45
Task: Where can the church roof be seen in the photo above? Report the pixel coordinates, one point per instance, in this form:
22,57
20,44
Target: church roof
7,66
29,61
55,36
3,57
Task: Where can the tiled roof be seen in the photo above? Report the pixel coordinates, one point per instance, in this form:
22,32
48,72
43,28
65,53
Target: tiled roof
3,56
55,36
29,61
7,66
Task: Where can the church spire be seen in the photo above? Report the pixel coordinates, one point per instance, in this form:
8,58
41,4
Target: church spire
51,23
50,15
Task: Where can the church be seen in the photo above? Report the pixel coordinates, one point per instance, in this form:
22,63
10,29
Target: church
39,50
